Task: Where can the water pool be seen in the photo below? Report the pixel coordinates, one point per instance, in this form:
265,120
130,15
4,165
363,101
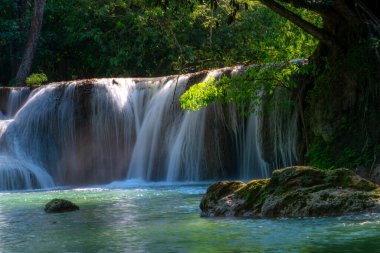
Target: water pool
165,218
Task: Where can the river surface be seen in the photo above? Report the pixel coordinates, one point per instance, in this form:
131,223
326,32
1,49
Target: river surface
165,218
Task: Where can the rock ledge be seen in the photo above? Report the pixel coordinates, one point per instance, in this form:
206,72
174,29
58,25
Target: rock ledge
293,192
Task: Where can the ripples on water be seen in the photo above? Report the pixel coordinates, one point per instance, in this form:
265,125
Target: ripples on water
165,218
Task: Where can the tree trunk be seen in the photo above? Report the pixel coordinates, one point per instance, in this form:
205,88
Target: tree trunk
16,45
341,101
31,45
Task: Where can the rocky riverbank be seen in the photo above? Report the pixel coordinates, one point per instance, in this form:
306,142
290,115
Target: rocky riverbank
293,192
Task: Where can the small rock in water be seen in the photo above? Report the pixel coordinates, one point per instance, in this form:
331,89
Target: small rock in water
60,206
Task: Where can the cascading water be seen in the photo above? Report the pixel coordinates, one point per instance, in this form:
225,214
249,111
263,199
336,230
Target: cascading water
151,149
11,100
15,99
16,171
251,151
282,122
102,130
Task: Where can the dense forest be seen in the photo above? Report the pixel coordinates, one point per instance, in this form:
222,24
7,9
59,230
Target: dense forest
336,93
82,39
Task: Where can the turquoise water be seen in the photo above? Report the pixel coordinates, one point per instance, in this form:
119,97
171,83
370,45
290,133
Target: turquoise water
165,218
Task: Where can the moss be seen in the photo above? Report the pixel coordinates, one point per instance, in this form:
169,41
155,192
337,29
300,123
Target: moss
376,193
253,193
339,177
294,178
224,188
348,179
218,191
293,191
253,186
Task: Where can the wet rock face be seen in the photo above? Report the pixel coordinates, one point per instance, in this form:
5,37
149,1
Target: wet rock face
60,206
4,93
293,192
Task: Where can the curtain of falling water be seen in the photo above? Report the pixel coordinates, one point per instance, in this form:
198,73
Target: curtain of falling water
80,133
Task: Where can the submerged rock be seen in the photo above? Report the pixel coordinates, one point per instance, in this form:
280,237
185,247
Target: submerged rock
60,206
293,192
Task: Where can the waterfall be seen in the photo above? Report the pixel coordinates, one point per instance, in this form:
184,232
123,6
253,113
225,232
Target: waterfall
16,170
185,159
16,174
11,100
150,149
102,130
251,151
16,98
283,127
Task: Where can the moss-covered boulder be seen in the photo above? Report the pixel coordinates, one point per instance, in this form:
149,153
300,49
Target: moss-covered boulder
60,206
293,192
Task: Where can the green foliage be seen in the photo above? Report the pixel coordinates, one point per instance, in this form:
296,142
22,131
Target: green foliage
319,156
36,79
324,156
254,39
350,158
82,39
15,19
200,95
245,90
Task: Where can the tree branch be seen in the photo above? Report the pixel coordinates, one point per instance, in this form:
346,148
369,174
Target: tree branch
316,6
345,11
308,27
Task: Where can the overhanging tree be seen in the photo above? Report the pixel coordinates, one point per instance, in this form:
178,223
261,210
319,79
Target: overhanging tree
340,101
338,96
346,23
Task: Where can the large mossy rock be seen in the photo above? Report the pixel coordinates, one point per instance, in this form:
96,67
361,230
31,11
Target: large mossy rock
293,192
60,206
